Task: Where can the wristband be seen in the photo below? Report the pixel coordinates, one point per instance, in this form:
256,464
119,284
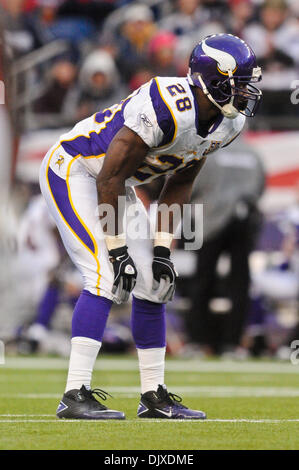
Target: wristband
161,252
115,241
163,239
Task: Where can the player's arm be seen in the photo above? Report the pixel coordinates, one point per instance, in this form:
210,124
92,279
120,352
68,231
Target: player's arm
177,190
125,154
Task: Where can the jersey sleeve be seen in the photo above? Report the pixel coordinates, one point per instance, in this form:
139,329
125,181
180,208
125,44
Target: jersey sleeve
149,116
236,126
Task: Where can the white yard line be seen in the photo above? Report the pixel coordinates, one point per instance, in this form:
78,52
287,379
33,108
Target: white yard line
24,415
150,421
125,365
222,391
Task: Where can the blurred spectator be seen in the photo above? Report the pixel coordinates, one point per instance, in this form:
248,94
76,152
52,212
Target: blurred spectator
46,24
61,82
229,186
195,18
17,34
131,38
94,10
242,12
275,39
143,47
75,96
218,10
271,37
191,22
161,52
99,86
188,17
143,75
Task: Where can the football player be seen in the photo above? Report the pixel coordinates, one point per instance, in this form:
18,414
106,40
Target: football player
166,127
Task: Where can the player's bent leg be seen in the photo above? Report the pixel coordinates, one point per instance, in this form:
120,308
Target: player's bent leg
148,324
149,332
88,325
78,402
71,198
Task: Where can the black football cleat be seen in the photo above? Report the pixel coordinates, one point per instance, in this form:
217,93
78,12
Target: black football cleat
161,404
81,404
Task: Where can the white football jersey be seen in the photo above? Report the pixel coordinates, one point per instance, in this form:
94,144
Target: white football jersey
164,113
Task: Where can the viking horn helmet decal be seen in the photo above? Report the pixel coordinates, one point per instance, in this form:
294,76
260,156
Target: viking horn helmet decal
225,60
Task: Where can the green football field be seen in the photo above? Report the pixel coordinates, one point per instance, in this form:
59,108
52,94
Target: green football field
250,405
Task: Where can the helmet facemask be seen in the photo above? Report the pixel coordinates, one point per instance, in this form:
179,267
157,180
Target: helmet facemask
239,92
235,94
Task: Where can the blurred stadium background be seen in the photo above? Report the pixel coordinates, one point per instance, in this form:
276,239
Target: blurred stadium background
63,60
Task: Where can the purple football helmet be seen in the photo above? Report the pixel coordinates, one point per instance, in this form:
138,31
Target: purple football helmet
224,67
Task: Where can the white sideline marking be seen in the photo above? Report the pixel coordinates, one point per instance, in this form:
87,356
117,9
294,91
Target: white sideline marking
220,391
125,365
243,420
23,415
194,391
154,421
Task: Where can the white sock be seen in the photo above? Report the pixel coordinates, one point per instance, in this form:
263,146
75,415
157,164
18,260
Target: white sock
83,355
151,367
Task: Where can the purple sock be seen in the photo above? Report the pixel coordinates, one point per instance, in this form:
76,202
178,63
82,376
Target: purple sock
47,306
148,324
90,316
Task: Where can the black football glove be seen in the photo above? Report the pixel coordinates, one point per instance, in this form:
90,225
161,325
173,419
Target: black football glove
164,274
125,273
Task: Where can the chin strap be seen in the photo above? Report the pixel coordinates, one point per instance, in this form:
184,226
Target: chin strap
228,110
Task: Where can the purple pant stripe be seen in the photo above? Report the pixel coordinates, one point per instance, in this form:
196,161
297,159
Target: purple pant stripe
60,193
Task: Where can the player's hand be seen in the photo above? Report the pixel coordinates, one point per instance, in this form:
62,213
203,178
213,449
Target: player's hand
164,274
125,273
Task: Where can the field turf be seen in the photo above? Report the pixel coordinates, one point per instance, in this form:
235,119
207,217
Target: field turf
250,405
